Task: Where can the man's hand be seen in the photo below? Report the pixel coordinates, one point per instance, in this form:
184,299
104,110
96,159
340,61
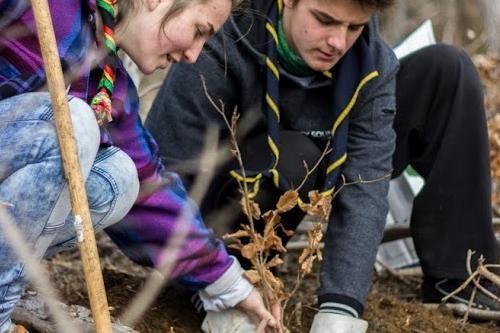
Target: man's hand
253,307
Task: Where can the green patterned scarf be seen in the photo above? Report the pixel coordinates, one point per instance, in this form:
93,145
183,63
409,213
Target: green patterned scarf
290,61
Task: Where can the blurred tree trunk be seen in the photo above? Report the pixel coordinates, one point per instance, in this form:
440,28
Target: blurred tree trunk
491,14
393,23
469,25
449,12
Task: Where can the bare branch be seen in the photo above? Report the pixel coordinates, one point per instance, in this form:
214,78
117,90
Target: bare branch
169,254
35,271
325,152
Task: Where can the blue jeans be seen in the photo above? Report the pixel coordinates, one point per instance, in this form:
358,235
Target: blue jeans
32,180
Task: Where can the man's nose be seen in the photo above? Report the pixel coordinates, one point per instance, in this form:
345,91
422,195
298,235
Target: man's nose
338,38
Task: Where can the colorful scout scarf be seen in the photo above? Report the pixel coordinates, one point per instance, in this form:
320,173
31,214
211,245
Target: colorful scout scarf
347,78
101,103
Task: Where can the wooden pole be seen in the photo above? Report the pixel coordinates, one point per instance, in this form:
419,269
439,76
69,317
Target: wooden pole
88,247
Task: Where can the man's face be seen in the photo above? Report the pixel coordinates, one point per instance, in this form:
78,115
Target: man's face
322,31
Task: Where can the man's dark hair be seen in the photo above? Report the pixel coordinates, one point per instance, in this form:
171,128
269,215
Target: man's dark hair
378,4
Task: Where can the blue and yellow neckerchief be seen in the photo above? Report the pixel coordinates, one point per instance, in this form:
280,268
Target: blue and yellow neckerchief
347,77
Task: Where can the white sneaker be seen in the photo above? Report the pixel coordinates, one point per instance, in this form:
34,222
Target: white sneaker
336,323
227,321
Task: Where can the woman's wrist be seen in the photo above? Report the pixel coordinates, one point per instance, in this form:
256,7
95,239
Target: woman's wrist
228,290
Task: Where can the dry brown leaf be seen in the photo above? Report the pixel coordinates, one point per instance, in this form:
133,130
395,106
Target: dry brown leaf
253,276
315,236
275,283
259,242
320,207
272,217
314,197
276,261
272,241
268,231
287,201
235,246
305,253
306,266
319,254
249,250
254,208
237,234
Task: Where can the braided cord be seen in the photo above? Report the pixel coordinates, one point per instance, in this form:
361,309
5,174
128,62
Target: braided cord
101,103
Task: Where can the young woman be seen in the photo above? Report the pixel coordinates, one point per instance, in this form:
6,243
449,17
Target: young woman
125,181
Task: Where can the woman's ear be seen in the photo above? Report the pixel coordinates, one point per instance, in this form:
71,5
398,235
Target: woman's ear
289,3
152,4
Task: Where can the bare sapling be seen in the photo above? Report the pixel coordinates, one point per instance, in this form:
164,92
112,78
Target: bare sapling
264,249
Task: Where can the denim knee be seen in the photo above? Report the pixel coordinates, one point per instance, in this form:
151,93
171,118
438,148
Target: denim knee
86,132
27,128
112,186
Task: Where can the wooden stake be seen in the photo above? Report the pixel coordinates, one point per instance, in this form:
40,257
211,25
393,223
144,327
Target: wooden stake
88,248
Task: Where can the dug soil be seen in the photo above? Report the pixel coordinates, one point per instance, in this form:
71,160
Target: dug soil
393,305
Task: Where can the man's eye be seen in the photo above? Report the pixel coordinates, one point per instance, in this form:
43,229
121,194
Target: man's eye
356,27
323,20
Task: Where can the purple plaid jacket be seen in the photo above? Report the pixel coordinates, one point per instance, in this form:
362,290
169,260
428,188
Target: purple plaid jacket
155,216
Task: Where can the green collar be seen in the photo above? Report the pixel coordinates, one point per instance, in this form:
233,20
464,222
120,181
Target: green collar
290,61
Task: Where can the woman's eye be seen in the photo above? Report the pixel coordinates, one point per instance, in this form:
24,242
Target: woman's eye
198,32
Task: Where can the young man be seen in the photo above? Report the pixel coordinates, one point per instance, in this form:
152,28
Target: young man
308,72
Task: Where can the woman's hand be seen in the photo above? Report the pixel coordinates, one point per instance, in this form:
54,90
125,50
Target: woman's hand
253,307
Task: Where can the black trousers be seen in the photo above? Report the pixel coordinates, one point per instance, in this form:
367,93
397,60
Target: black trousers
441,131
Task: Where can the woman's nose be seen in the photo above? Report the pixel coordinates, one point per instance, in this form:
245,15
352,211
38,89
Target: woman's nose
191,55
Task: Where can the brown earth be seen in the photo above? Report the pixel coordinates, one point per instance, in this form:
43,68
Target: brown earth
393,305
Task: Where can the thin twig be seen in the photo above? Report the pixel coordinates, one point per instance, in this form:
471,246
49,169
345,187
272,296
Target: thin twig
35,271
169,254
469,306
483,270
408,280
359,181
461,287
325,152
260,263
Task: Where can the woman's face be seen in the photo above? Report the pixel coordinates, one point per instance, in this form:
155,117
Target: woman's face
151,45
